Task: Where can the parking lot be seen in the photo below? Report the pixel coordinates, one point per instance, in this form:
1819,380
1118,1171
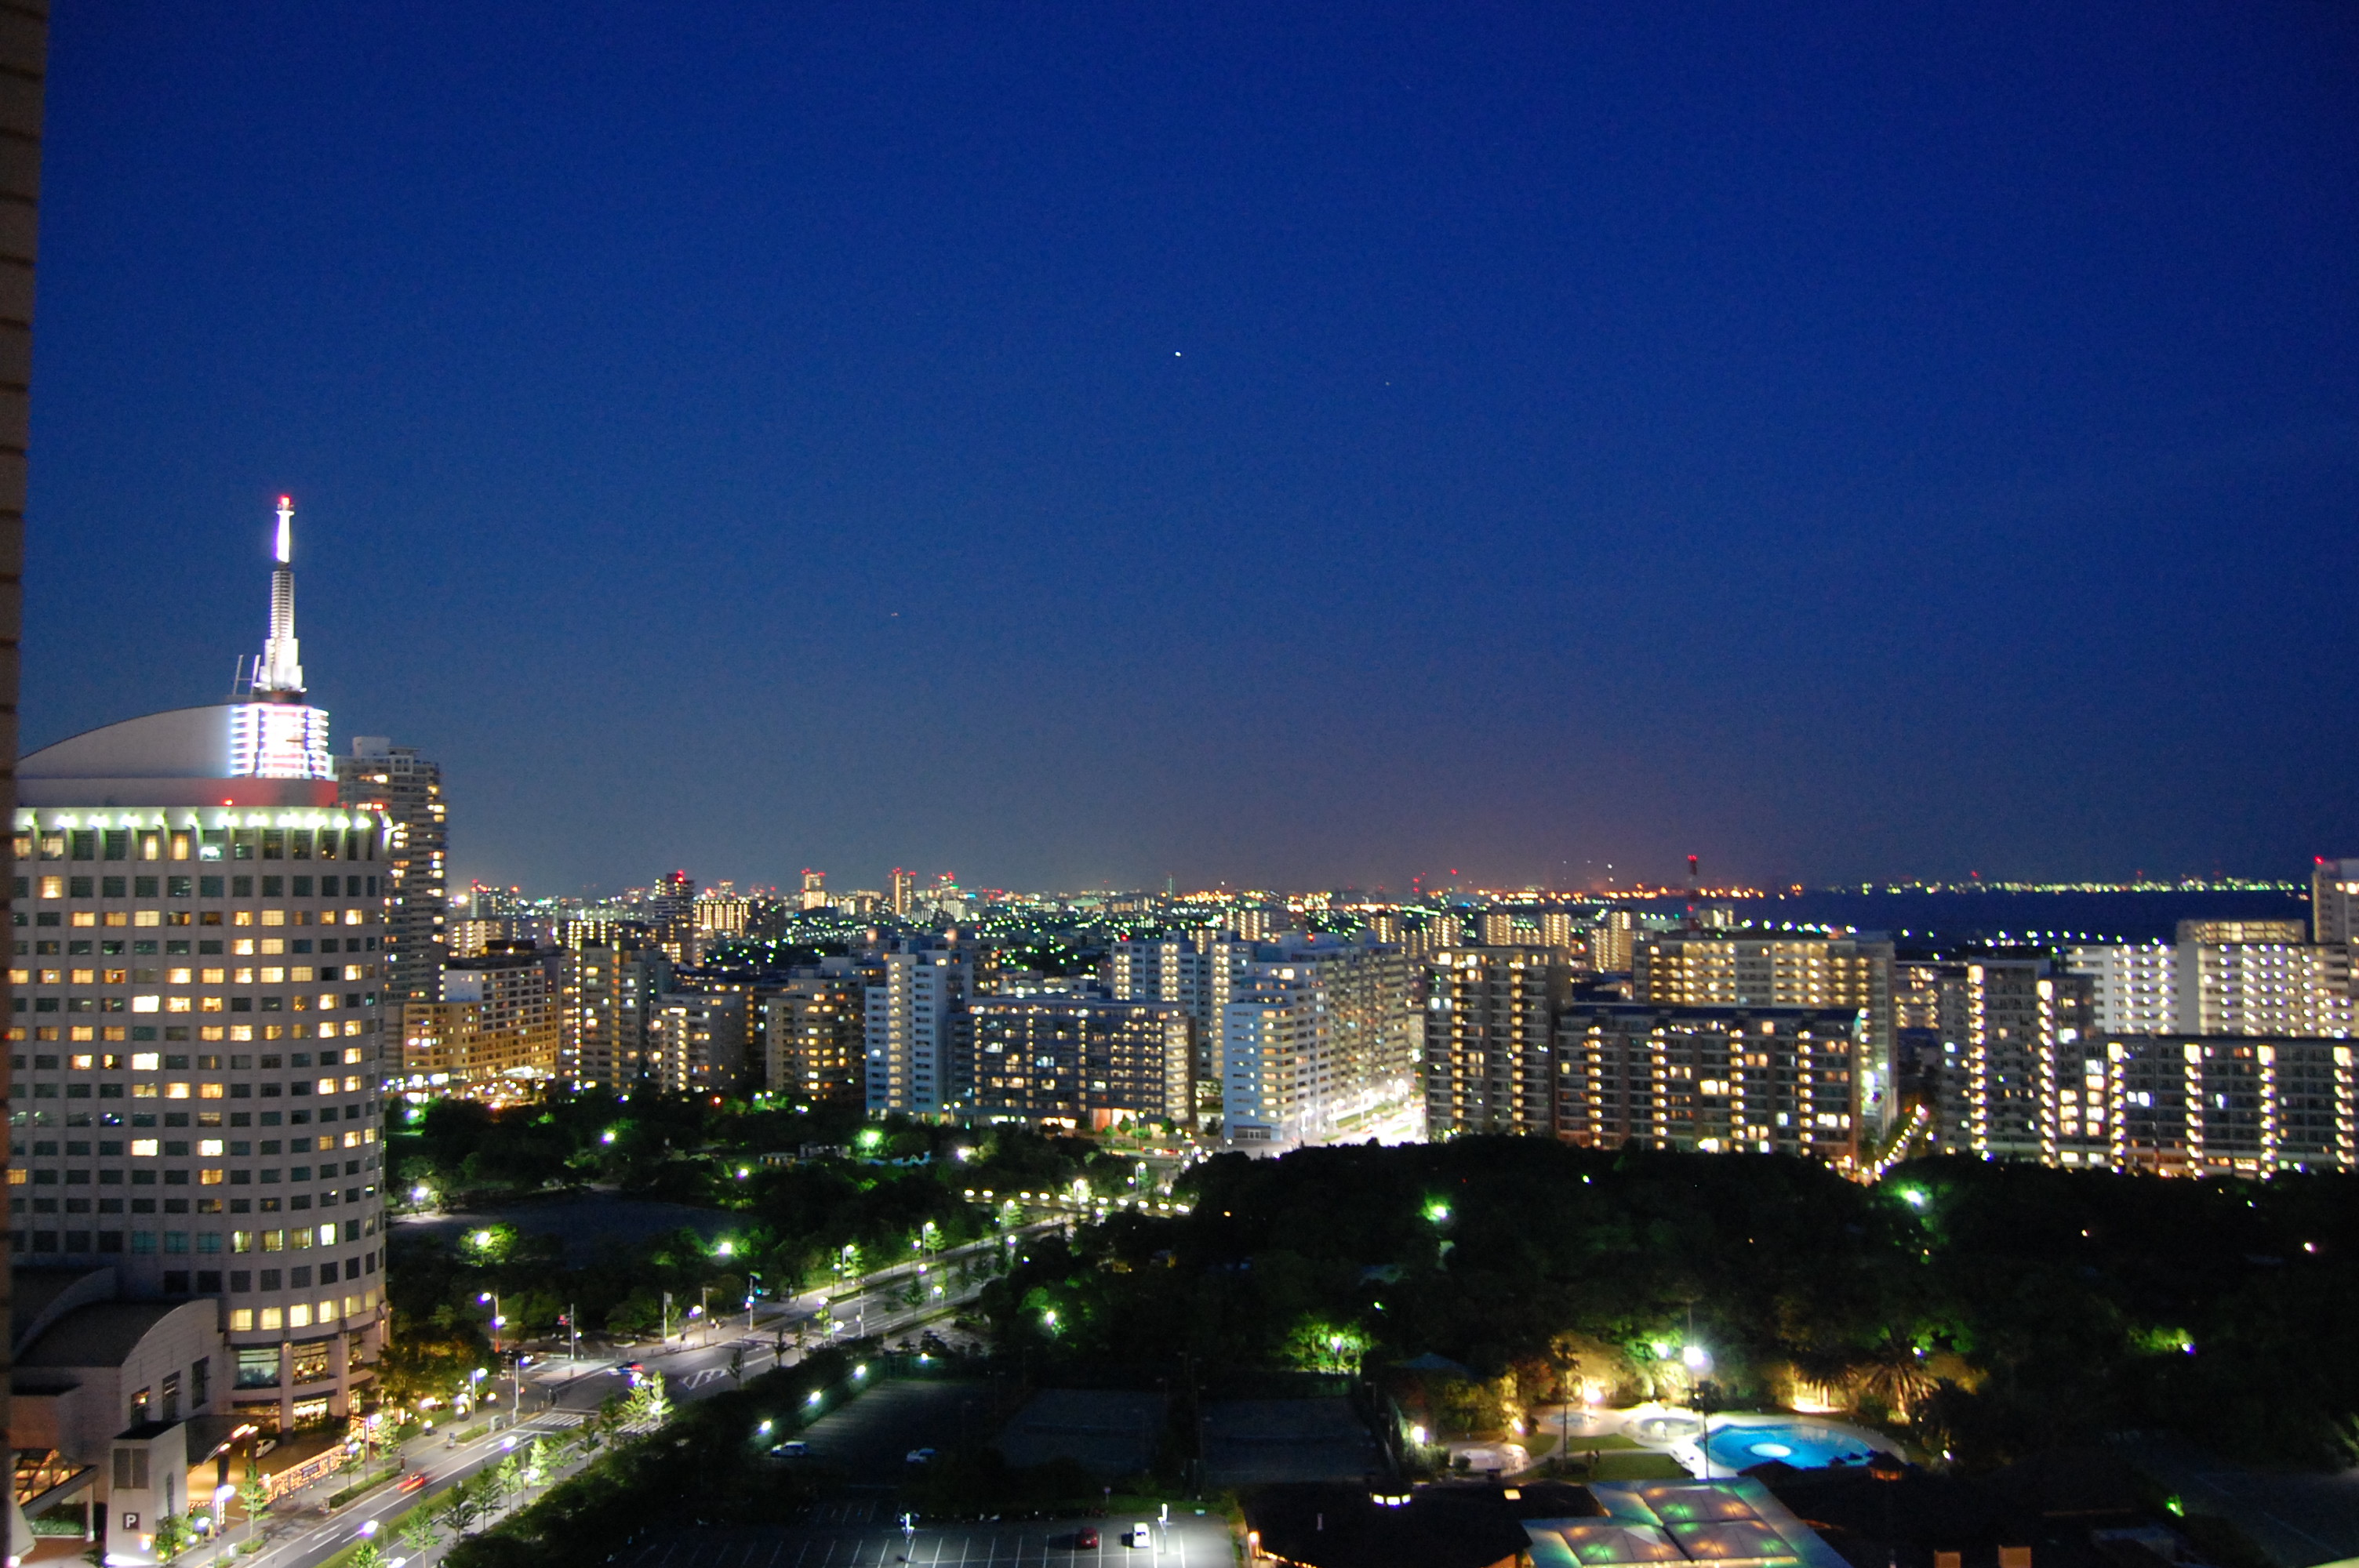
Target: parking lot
869,1437
1187,1541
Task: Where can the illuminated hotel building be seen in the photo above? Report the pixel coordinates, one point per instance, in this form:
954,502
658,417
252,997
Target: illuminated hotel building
194,1037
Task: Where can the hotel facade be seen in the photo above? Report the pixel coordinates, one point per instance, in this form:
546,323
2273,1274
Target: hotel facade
195,1038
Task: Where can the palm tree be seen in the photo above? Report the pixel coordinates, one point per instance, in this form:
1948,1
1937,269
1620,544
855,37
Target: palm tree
1894,1374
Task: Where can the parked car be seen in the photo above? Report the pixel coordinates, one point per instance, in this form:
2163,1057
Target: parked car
1085,1539
1139,1536
793,1448
920,1455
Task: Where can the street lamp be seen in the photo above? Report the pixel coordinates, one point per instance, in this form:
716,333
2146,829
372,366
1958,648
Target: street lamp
497,1321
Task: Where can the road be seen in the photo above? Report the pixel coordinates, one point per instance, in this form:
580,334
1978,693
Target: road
559,1393
1189,1540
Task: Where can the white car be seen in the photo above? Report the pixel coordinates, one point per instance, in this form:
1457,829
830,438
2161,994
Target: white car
920,1455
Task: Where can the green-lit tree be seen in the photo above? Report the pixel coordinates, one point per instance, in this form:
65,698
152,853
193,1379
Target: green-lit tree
255,1493
647,1404
174,1535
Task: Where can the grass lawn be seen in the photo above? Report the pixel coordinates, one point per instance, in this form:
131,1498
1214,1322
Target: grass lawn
1638,1465
1605,1444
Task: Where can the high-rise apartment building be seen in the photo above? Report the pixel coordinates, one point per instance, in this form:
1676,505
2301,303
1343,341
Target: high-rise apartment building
1561,931
697,1040
2192,1105
672,915
2265,987
1709,1079
2269,982
1929,1022
1489,1035
2003,1093
721,912
903,897
1613,942
495,1035
2280,932
397,782
2334,901
1320,1044
1509,928
914,1027
814,895
607,987
1686,970
1084,1062
814,1032
2136,984
194,1033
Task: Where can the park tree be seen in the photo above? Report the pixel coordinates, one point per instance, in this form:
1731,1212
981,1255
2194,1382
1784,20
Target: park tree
418,1531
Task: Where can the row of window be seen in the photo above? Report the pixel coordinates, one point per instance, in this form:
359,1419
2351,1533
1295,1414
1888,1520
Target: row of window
114,1032
175,1062
177,1148
299,1201
327,1198
206,844
243,946
175,1241
195,887
300,1314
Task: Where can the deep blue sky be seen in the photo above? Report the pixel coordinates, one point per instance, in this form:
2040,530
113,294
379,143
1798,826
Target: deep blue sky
1077,444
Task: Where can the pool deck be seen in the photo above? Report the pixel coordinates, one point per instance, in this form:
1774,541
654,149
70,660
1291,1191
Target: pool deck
1674,1430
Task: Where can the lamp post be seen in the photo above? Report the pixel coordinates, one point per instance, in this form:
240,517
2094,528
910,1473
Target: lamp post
493,1298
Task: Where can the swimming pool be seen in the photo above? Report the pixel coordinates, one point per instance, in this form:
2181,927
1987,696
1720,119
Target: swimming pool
1805,1444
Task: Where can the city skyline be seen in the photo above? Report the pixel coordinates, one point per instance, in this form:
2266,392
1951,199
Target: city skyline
1258,451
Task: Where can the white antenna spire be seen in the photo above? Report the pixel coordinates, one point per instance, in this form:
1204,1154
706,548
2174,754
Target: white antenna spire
280,668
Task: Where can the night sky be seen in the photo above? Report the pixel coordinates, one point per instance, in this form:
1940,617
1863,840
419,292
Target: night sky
1302,446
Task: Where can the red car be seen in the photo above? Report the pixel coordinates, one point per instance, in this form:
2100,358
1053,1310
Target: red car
412,1482
1085,1540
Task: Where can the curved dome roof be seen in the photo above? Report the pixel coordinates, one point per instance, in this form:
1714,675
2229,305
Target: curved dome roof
183,756
179,743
